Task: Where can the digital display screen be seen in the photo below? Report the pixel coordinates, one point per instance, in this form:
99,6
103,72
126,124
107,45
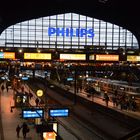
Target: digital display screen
33,113
60,112
73,56
37,56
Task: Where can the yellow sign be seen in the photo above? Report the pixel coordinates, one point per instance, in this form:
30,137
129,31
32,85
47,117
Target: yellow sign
9,55
39,93
49,136
73,56
107,57
133,58
43,56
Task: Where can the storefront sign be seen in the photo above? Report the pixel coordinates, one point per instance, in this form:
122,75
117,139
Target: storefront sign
72,56
7,55
133,58
42,56
107,57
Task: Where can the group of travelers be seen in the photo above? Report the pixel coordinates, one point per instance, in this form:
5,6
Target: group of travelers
25,130
121,101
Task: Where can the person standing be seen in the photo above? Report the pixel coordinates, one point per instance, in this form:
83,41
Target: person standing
106,99
37,101
2,87
18,130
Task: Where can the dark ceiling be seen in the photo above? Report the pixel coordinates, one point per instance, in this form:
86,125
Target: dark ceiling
125,13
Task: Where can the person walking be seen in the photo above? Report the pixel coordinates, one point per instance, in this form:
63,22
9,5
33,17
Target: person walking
18,130
24,129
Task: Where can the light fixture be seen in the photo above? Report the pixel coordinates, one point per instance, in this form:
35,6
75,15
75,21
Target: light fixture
20,50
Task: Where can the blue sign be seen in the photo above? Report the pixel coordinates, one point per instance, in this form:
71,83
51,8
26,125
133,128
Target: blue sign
59,112
71,32
70,79
32,113
24,78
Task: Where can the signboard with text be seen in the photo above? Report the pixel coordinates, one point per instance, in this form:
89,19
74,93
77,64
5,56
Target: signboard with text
73,56
37,56
32,113
133,58
107,57
7,55
59,112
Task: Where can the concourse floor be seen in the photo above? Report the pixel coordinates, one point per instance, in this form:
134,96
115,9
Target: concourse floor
11,119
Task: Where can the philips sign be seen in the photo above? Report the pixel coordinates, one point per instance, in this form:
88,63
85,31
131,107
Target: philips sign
71,32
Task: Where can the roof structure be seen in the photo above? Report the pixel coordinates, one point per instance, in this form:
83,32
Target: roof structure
124,13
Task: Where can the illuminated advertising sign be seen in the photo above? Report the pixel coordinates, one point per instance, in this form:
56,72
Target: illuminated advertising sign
133,58
71,32
107,57
32,113
59,112
7,55
73,56
49,136
37,56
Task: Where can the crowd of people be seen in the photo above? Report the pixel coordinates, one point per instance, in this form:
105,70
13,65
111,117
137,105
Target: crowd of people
124,102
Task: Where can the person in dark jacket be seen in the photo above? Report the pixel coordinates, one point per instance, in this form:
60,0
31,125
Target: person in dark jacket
24,129
18,130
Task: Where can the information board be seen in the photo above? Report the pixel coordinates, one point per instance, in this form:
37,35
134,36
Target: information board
32,113
59,112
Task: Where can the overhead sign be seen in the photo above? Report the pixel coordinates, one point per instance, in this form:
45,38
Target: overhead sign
7,55
59,112
106,57
71,32
73,56
37,56
133,58
32,113
24,78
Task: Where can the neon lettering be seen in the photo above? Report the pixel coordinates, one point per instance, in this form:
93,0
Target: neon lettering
71,32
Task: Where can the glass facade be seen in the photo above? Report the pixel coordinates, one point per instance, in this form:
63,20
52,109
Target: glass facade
67,31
